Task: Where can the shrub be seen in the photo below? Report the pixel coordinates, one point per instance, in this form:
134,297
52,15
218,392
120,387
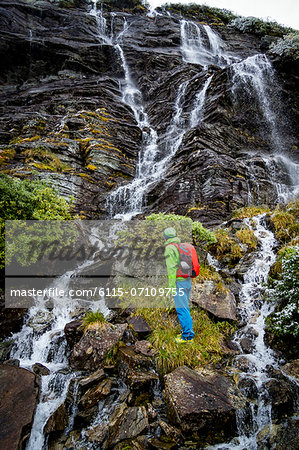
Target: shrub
285,292
285,224
288,46
226,246
259,26
200,235
202,12
93,318
25,200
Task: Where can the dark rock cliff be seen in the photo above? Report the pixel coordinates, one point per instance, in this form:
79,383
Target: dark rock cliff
63,117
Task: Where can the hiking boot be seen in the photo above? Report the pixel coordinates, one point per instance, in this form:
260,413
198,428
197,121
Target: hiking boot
179,340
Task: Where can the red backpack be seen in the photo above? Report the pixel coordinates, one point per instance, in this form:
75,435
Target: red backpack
189,265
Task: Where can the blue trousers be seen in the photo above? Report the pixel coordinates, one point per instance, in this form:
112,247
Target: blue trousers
181,301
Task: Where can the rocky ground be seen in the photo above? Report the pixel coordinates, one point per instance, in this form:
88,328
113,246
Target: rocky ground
120,397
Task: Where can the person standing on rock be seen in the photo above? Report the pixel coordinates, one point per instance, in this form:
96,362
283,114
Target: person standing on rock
182,265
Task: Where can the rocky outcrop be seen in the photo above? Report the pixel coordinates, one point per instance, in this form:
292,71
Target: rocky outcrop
200,403
219,302
96,342
64,117
19,394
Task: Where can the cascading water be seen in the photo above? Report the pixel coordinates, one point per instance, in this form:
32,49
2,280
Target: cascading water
127,201
200,45
254,310
253,77
42,340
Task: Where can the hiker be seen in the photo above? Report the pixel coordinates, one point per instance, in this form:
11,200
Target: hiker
180,280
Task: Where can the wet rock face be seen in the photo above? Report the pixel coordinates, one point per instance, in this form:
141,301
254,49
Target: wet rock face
63,113
19,395
201,403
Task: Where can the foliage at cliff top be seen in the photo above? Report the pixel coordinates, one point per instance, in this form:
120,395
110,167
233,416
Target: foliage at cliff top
200,235
284,321
260,27
202,12
26,200
287,47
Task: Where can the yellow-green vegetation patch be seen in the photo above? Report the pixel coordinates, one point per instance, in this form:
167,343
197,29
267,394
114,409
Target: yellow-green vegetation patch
207,273
206,346
285,221
250,211
226,246
247,236
93,319
48,160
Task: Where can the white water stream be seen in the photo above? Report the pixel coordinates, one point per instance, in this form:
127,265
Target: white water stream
255,77
254,310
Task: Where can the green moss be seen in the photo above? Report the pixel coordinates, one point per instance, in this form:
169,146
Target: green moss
250,211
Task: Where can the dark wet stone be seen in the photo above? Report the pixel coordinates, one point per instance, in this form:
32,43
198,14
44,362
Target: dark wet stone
201,402
40,369
19,396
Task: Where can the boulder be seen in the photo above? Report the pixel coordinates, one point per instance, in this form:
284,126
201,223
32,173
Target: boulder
73,332
220,304
5,349
279,437
203,403
57,422
19,392
40,369
93,395
140,326
145,348
129,358
127,423
11,320
94,345
86,383
292,368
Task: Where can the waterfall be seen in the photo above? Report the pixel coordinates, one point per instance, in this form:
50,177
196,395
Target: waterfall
201,45
254,77
42,340
198,108
254,310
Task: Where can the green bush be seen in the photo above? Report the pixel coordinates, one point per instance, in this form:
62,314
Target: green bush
200,235
285,292
26,200
259,27
288,46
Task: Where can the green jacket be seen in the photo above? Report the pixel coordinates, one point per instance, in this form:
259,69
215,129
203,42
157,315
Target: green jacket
172,258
